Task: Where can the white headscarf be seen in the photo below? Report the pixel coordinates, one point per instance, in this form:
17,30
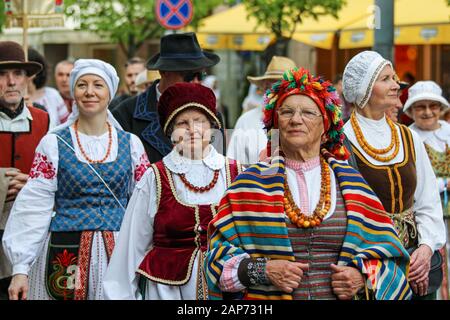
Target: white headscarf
98,68
360,75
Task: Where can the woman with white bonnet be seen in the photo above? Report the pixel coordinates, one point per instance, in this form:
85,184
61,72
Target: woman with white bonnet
64,223
425,104
394,162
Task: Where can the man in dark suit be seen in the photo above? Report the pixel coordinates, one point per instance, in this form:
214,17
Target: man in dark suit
180,60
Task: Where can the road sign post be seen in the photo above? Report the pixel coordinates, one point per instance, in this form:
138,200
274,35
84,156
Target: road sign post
174,14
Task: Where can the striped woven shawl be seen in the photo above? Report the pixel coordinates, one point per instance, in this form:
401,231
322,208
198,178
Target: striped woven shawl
250,219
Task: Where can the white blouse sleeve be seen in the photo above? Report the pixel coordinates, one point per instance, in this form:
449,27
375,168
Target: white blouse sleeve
139,160
135,239
427,202
31,214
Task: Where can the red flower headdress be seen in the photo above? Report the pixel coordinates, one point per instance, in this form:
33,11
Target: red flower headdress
301,81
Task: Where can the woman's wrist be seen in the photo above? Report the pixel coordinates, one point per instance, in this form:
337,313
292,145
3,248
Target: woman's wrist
252,271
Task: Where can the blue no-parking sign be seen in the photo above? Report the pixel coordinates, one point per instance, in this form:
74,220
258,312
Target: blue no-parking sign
174,14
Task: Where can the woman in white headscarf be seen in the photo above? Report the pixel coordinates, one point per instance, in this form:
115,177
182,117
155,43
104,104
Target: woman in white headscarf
64,223
394,162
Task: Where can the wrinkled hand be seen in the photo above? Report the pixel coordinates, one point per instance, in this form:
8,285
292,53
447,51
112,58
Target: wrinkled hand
419,269
18,289
346,281
16,183
419,288
420,263
263,156
285,275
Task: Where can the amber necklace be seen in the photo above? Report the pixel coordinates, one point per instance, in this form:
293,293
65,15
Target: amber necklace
371,151
108,151
293,211
200,189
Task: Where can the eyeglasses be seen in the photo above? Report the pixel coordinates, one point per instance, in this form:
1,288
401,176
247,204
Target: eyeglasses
432,106
288,113
199,75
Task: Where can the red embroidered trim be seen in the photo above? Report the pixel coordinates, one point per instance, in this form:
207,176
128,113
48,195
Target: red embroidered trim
84,259
42,167
140,169
108,240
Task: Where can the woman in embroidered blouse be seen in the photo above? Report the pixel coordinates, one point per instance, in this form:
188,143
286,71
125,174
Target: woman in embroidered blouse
160,250
291,229
85,170
424,105
394,162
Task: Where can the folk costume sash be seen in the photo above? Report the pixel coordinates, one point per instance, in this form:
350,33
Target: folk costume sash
251,220
180,231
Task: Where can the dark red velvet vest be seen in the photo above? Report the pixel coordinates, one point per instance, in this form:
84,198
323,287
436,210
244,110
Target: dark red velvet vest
18,147
180,230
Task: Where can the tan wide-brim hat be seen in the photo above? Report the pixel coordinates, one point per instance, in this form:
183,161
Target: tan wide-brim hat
147,76
13,57
277,66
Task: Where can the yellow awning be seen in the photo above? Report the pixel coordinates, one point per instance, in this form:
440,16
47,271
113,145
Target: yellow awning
231,21
416,22
250,42
320,32
230,29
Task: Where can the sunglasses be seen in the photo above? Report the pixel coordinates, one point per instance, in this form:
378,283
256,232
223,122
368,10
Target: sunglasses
199,75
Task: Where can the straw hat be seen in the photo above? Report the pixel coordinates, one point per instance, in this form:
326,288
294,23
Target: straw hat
277,66
146,76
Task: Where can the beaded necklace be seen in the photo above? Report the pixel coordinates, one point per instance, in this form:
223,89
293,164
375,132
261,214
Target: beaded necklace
200,189
293,211
371,151
108,151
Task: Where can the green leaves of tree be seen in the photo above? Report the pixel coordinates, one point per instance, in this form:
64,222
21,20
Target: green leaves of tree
282,16
127,22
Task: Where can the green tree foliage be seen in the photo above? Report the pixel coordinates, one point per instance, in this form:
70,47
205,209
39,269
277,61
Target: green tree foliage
127,22
2,15
283,16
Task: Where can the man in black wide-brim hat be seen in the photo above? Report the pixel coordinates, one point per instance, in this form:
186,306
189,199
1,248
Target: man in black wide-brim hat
180,60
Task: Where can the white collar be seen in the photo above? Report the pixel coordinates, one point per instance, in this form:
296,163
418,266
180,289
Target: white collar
442,133
158,93
176,163
376,125
25,114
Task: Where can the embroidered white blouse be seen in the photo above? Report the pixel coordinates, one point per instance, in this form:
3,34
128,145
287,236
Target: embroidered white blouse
248,137
436,139
135,239
30,218
55,106
427,203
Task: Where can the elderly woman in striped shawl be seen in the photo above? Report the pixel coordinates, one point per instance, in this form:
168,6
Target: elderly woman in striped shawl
306,225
